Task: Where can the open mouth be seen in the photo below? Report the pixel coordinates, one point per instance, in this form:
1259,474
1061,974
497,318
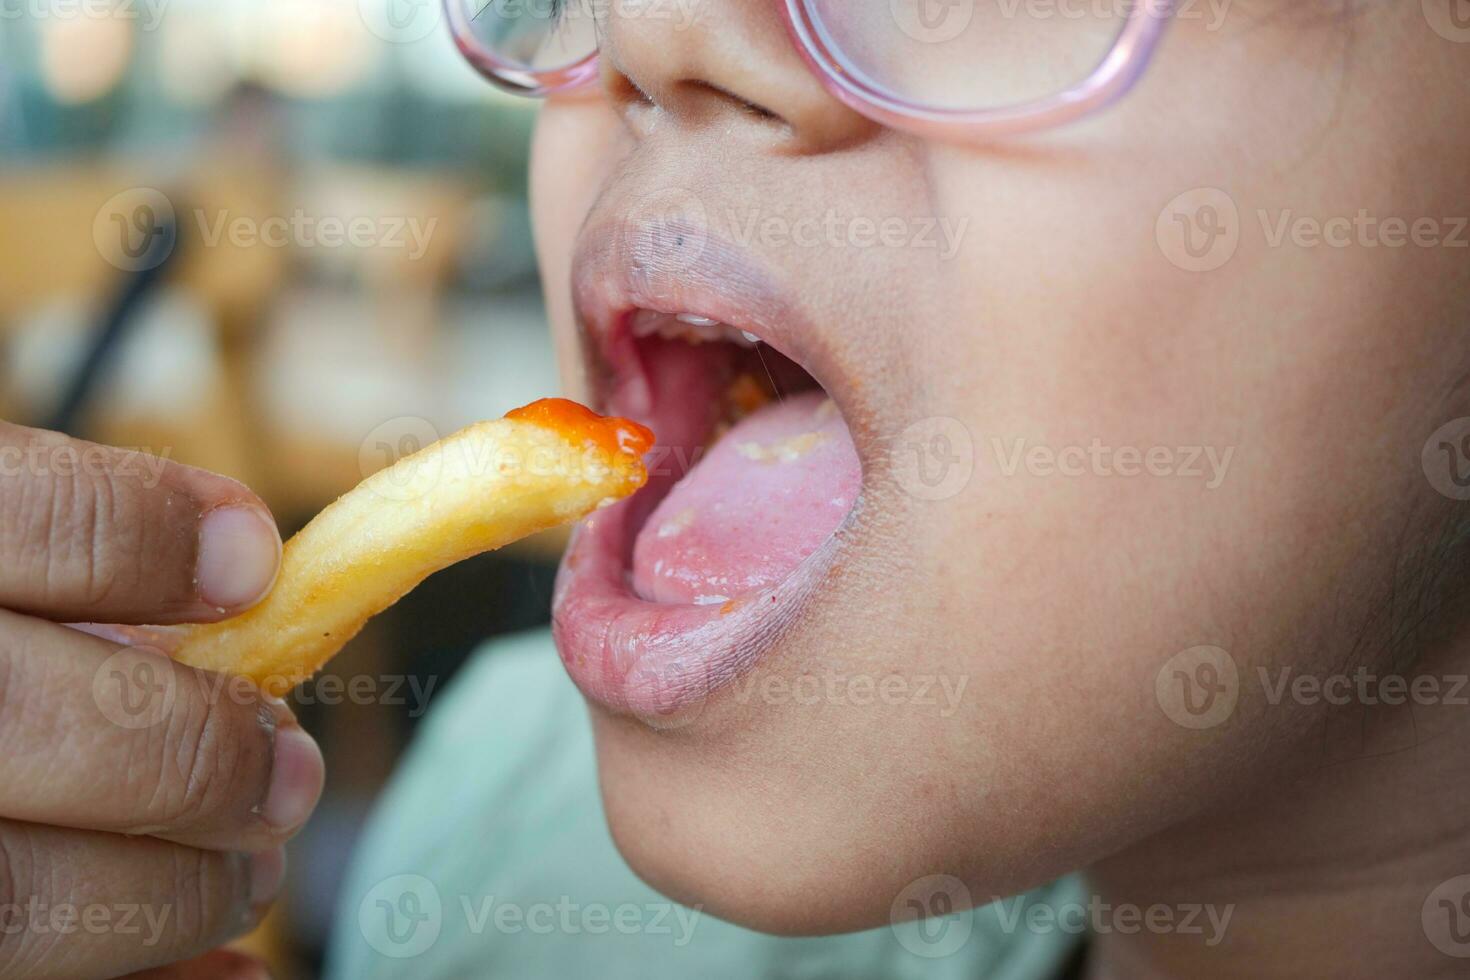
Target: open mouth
666,597
758,470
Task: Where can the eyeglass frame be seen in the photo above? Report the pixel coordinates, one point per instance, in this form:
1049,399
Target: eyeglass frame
1115,75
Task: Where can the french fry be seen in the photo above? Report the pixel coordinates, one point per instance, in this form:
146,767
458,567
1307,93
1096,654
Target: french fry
493,483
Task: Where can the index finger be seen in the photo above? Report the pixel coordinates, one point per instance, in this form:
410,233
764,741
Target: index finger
92,533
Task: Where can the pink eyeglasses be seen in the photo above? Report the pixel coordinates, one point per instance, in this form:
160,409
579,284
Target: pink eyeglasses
949,69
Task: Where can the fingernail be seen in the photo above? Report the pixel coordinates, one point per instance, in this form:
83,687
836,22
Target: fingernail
267,874
296,779
239,556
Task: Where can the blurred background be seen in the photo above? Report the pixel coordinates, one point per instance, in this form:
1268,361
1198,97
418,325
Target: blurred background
286,240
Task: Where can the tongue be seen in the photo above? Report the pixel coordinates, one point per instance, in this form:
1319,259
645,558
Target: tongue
760,501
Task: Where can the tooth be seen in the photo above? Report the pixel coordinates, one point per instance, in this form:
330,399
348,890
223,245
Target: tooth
691,328
646,325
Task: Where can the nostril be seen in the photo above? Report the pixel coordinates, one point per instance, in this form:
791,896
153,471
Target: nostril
730,68
694,94
625,92
630,101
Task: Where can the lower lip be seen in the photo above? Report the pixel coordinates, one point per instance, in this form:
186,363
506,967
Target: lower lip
656,661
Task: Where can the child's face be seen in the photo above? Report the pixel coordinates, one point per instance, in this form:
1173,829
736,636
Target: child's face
980,674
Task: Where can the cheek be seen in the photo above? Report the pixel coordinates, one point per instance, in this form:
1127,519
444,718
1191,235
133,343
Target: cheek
577,145
1287,400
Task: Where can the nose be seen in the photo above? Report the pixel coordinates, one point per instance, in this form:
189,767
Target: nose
720,63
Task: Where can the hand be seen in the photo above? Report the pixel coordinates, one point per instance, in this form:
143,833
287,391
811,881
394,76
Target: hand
143,804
